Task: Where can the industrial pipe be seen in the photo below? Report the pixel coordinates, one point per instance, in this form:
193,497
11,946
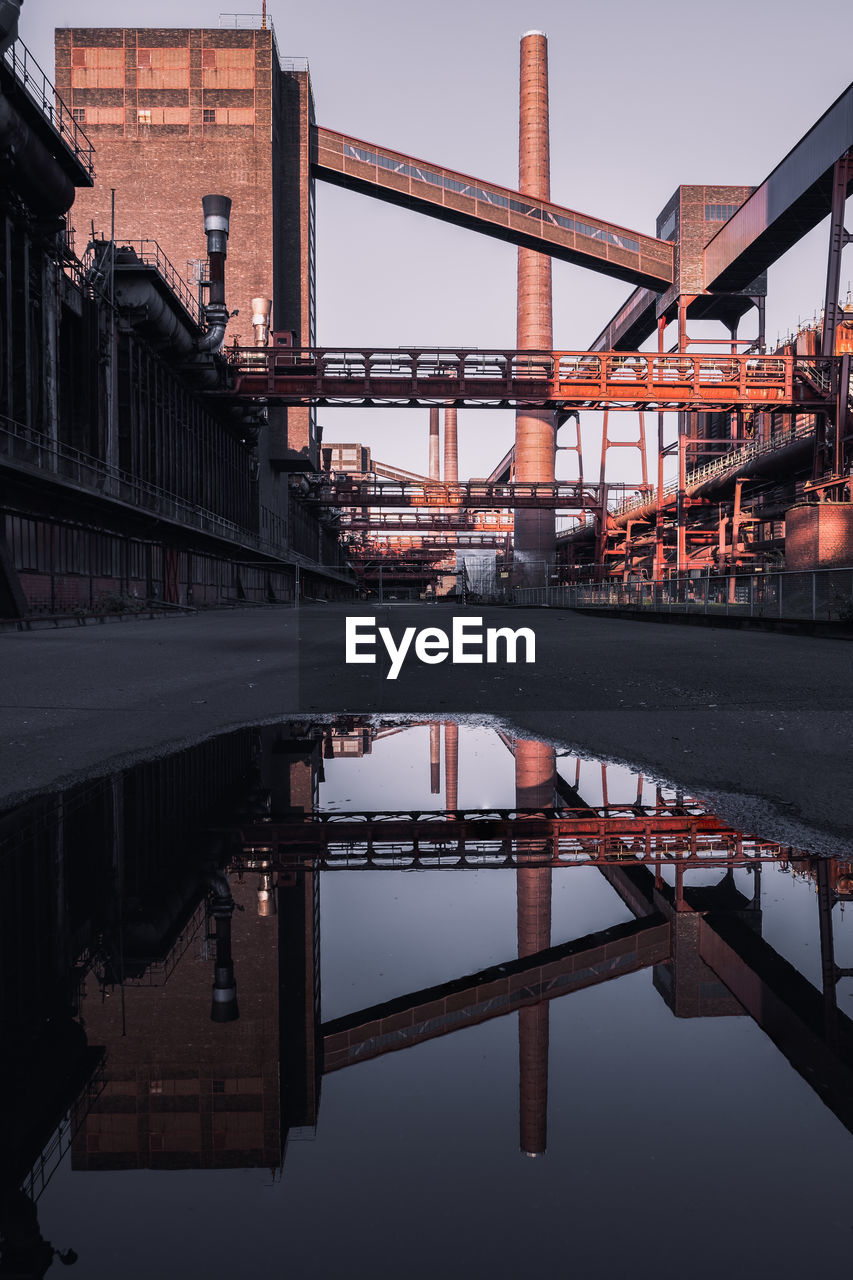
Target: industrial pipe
451,447
10,11
223,1007
47,190
434,473
261,308
217,214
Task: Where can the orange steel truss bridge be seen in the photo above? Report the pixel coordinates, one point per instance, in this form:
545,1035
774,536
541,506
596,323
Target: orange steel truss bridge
606,835
475,494
560,380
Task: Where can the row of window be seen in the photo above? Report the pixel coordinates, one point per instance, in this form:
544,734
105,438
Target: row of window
179,56
163,78
164,115
40,547
485,196
720,212
162,68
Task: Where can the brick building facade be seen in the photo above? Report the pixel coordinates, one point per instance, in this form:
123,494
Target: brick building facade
175,114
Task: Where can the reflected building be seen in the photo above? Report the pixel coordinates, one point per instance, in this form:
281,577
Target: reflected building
161,930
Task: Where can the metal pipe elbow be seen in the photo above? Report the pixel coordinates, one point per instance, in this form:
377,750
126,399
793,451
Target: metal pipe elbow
216,315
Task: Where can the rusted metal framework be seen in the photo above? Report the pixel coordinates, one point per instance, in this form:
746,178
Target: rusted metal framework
475,494
606,835
544,379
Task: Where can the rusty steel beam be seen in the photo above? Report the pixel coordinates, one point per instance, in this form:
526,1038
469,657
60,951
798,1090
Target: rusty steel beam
396,523
519,218
414,377
614,835
561,495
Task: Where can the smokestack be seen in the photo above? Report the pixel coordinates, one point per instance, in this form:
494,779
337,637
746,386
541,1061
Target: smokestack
534,429
217,216
261,308
535,771
451,451
451,766
434,756
434,473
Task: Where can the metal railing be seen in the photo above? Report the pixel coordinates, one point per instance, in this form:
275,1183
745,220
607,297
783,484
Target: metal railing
149,252
726,462
818,595
31,451
41,92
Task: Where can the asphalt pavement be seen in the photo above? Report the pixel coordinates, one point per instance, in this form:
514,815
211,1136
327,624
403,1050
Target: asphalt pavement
757,724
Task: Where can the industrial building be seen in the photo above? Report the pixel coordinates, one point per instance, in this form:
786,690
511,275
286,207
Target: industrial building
160,436
125,485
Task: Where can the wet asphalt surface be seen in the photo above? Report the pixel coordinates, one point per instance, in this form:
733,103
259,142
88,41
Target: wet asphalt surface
757,724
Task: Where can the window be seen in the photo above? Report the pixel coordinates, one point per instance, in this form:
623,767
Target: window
163,68
97,68
79,114
143,117
720,212
104,115
208,115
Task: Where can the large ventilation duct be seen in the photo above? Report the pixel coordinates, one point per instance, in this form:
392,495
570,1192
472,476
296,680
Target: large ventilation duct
47,190
217,216
261,309
10,11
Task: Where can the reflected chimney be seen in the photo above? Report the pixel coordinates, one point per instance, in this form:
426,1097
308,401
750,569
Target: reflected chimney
535,774
435,758
451,766
224,997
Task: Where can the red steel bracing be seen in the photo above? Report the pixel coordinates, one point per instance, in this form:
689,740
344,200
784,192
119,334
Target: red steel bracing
542,379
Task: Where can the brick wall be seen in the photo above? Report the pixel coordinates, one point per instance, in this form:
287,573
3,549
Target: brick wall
819,536
160,171
223,119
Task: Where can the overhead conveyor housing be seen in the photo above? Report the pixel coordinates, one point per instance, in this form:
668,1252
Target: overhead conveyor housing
792,200
493,210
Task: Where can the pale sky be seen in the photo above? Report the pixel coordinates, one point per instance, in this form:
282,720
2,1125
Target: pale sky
643,97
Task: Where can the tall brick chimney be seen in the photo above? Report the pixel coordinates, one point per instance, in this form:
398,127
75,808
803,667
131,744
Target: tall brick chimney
534,429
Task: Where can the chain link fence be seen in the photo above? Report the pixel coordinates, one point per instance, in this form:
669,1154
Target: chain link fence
820,595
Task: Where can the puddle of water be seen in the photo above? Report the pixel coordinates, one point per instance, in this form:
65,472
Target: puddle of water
303,995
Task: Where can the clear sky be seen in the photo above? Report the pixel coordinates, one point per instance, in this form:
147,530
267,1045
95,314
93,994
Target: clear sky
643,97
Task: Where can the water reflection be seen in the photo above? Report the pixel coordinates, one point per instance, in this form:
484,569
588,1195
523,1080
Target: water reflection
161,953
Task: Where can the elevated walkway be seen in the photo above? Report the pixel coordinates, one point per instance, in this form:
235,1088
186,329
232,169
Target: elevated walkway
491,209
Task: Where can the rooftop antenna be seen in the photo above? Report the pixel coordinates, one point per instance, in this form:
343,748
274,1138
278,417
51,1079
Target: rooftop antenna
264,15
